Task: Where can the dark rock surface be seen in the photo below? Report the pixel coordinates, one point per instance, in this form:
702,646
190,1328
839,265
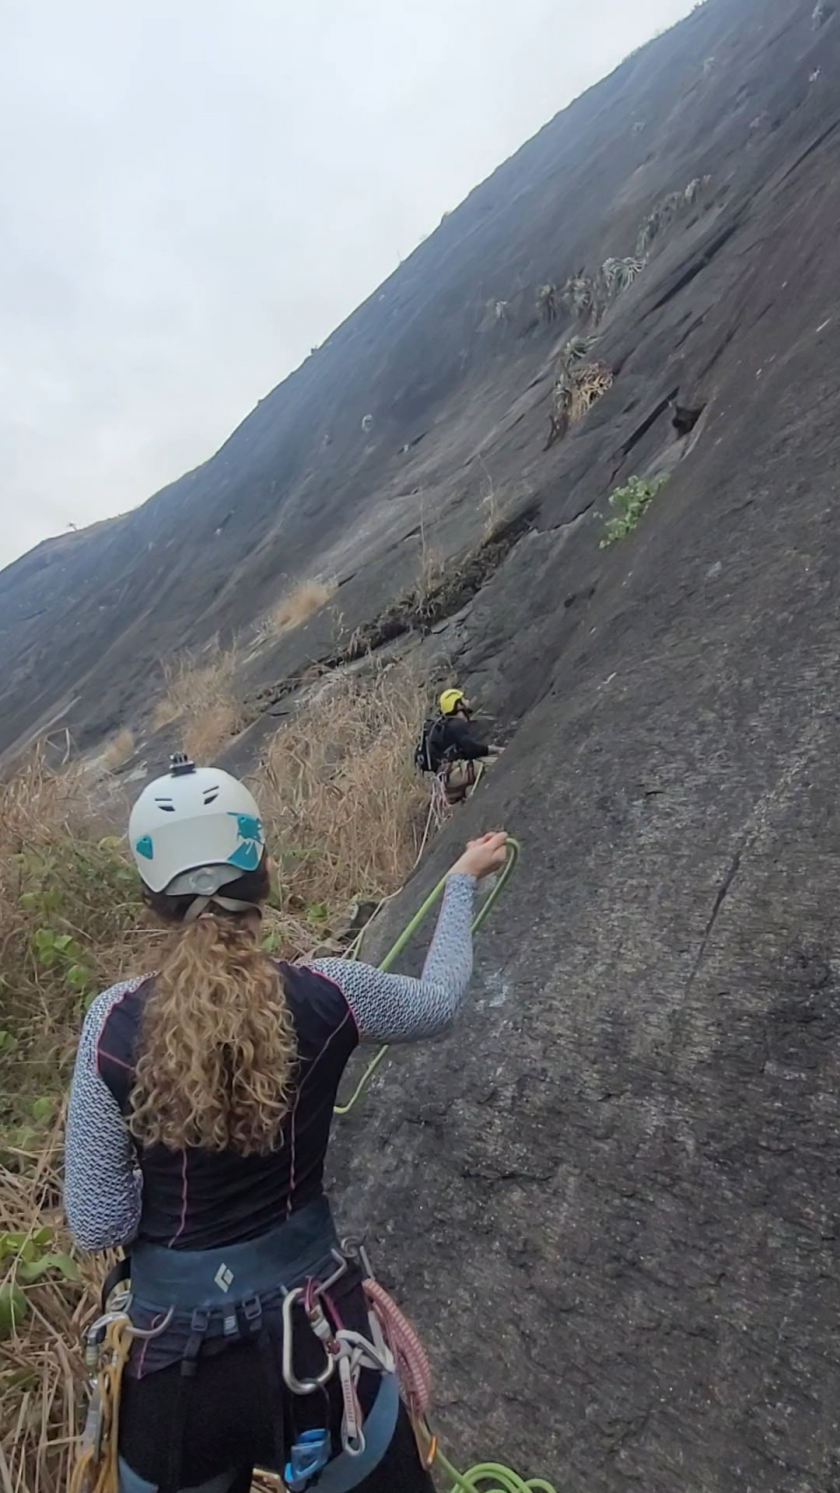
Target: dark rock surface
85,619
610,1199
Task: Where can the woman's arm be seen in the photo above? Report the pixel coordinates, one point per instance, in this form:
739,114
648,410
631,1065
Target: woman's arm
102,1188
397,1008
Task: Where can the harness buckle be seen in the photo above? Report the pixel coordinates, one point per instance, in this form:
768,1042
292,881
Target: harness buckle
199,1327
252,1311
309,1456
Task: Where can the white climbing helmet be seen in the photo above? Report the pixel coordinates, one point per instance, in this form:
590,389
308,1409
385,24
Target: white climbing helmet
194,830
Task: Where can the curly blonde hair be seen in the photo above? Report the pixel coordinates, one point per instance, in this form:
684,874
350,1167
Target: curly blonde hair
218,1051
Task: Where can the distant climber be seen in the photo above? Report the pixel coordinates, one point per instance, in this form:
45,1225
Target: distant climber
367,423
449,749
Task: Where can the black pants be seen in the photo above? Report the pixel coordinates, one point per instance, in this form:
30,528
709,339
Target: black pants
229,1423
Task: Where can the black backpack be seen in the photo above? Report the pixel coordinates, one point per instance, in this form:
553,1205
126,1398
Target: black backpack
427,754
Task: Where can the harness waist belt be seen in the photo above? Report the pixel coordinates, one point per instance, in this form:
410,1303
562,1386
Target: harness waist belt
193,1279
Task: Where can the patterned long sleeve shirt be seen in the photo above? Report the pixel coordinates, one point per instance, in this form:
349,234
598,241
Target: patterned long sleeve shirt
103,1182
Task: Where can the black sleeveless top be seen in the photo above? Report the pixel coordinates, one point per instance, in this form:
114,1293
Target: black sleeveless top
200,1199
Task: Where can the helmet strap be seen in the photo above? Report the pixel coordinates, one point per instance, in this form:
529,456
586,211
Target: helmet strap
204,907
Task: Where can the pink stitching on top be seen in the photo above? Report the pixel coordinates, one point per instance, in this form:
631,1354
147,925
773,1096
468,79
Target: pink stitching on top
313,1065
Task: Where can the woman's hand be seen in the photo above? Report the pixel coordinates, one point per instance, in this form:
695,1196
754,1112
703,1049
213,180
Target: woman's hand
483,857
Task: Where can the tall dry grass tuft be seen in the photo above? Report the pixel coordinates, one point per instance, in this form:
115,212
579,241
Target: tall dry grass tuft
201,699
303,601
341,796
118,750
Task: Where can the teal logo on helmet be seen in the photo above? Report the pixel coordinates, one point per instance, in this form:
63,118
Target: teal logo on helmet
247,855
145,848
249,828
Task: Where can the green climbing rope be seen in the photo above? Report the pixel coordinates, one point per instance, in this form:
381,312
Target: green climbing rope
409,930
491,1477
486,1477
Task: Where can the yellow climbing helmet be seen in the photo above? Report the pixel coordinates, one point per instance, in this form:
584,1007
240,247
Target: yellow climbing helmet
450,700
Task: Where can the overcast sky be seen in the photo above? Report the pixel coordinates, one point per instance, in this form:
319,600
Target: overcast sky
194,192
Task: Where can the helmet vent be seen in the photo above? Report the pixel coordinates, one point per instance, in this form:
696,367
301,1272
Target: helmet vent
210,796
166,804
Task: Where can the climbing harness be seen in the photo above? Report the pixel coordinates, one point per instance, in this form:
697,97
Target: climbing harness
407,933
346,1351
441,805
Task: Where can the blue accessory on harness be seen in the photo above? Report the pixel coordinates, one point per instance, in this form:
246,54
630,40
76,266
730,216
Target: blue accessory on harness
310,1453
345,1472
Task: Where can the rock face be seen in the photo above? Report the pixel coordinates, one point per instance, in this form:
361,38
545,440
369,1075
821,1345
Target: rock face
458,397
610,1198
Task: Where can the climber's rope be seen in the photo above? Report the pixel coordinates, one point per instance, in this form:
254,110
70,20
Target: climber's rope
409,930
486,1477
434,817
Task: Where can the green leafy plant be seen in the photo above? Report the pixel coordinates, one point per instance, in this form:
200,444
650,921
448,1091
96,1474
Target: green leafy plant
33,1257
630,503
28,1257
13,1307
59,885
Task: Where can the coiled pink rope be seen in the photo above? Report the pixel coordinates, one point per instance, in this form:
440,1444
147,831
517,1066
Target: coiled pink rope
413,1369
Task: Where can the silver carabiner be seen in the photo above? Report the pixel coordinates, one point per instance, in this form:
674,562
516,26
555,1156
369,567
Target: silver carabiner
300,1386
95,1337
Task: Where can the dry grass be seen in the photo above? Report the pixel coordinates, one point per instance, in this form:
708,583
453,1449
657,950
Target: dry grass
588,386
303,601
69,913
345,811
341,797
118,750
201,698
42,1377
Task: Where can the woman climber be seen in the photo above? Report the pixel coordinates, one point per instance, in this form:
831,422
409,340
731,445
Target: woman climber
199,1122
450,750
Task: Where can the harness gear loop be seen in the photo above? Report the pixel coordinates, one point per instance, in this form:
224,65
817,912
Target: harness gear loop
513,852
107,1347
96,1470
